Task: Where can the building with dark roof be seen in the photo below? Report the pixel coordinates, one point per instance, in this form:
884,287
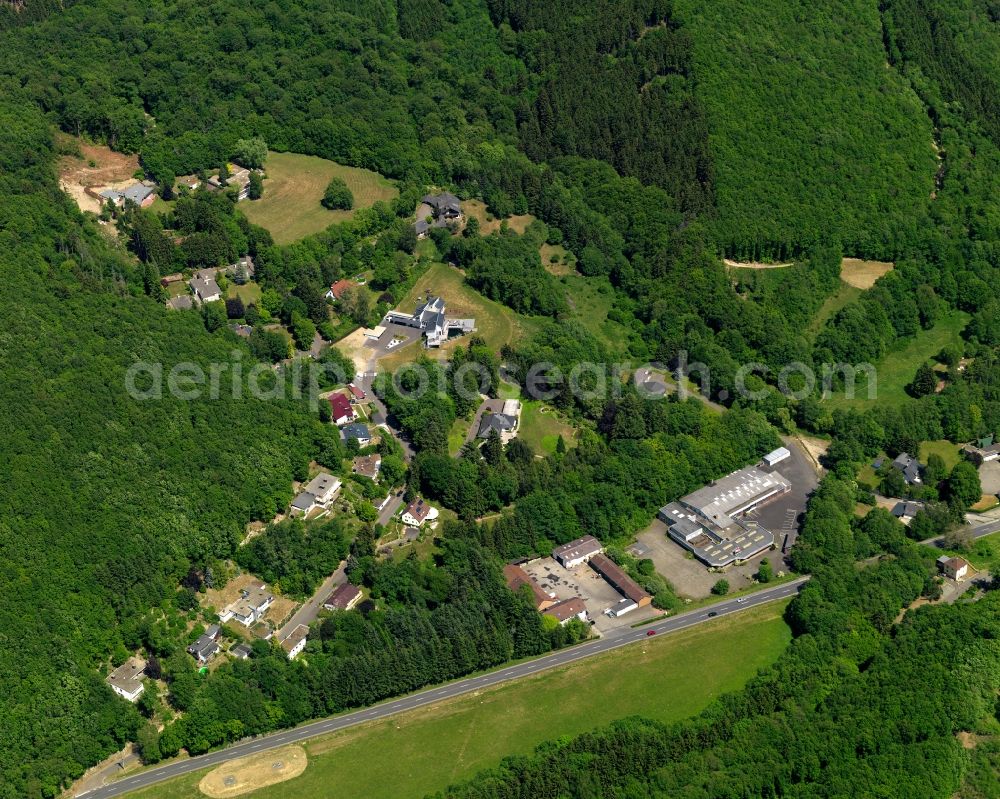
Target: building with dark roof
578,551
368,465
357,432
909,466
345,597
207,645
617,578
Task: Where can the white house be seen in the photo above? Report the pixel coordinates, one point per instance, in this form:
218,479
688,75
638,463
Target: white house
250,607
126,680
205,289
566,610
295,642
954,568
418,512
576,552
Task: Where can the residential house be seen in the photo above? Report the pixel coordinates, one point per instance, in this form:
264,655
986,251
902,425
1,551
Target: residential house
341,410
954,568
445,207
337,289
207,645
577,551
345,597
566,610
126,680
241,651
182,302
504,423
295,641
205,289
368,465
250,607
418,512
616,577
357,432
243,271
239,178
188,182
317,493
906,510
430,318
909,466
141,194
516,577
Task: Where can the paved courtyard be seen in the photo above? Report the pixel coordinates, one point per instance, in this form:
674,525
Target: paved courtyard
587,584
989,476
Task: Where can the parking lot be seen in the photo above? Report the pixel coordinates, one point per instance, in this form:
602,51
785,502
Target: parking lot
587,584
392,331
782,516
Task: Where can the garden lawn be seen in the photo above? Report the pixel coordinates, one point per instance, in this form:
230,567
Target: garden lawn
540,427
290,208
666,678
248,292
895,371
950,453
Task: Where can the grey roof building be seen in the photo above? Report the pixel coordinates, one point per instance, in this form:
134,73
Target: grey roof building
709,522
496,421
357,431
430,318
909,466
207,645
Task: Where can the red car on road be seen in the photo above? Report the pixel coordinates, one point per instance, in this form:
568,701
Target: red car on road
651,632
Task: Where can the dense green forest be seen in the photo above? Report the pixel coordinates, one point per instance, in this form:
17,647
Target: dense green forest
648,138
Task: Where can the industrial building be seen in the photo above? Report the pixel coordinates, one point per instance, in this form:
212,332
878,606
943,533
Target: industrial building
710,521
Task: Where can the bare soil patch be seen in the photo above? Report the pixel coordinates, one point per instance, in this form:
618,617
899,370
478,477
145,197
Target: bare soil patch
110,170
863,274
247,774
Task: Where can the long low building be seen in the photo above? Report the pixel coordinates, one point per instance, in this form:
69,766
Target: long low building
709,522
633,594
578,551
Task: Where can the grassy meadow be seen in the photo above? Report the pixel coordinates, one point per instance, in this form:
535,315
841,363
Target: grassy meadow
290,208
666,678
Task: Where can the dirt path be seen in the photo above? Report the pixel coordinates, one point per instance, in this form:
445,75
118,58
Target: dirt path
752,264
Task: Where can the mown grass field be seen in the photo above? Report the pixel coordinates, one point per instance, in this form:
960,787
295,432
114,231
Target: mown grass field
895,371
290,208
666,678
248,292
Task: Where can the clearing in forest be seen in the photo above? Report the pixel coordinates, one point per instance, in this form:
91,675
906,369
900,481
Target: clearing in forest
293,187
490,224
97,167
863,274
246,774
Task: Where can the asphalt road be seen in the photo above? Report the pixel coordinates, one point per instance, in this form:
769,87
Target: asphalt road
981,531
311,607
613,640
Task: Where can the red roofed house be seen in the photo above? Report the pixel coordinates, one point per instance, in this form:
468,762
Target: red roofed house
418,512
356,393
344,598
568,609
341,409
337,289
516,577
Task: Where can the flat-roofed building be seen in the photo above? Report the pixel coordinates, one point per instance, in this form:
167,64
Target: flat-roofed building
578,551
709,522
126,680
